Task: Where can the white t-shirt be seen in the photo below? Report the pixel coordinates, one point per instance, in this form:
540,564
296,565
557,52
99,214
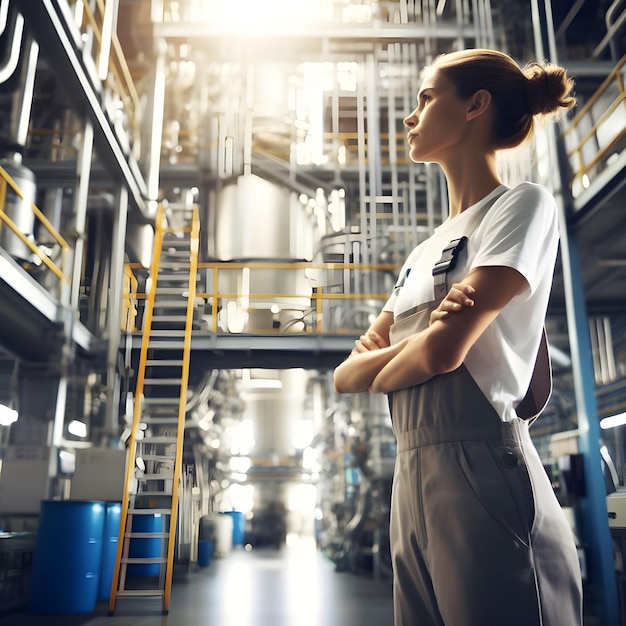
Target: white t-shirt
520,231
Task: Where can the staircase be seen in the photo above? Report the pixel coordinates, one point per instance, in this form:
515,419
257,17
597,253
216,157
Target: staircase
147,538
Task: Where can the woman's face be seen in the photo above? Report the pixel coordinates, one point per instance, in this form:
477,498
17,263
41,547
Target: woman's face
436,127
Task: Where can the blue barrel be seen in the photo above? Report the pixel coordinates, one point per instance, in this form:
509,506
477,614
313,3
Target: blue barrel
239,527
145,548
67,557
112,519
205,552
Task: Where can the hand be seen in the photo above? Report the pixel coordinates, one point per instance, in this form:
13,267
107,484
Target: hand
456,300
371,340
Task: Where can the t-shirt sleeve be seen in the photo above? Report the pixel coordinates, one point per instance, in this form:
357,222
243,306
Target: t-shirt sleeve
520,231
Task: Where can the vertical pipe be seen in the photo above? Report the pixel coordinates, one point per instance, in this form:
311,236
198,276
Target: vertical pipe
23,100
81,190
114,322
592,508
155,112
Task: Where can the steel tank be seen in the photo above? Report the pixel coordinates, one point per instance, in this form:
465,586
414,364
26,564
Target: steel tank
19,210
259,221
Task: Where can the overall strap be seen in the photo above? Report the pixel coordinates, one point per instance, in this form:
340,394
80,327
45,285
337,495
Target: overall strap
540,388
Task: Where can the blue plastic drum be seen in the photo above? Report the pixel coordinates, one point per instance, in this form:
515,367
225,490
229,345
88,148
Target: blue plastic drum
67,557
112,518
239,527
146,547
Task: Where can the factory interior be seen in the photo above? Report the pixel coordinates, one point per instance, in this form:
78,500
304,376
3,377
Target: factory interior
203,204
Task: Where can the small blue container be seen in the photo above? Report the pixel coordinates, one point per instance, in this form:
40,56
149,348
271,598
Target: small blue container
239,527
112,519
145,547
67,557
205,552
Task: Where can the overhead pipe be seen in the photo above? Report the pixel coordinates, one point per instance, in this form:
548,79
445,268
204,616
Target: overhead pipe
11,25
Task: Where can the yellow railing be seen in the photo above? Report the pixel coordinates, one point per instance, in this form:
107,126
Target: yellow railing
119,78
584,155
8,185
129,299
313,300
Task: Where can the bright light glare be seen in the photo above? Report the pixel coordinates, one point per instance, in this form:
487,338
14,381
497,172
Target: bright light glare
249,17
79,429
613,421
7,416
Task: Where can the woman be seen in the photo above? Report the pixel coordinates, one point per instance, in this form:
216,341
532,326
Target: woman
477,535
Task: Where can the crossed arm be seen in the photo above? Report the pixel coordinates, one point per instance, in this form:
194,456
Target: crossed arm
462,316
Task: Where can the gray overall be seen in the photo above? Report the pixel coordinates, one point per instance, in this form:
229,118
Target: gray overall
477,535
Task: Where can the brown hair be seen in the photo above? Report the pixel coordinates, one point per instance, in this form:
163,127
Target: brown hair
519,94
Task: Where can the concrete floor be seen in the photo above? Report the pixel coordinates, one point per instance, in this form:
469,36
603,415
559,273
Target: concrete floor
295,586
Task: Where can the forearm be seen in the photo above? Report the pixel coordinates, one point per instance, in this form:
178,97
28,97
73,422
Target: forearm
358,371
418,361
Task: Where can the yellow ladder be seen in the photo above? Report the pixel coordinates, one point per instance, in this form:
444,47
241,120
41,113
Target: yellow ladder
147,537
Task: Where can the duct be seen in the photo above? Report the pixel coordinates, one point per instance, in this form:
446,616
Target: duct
11,26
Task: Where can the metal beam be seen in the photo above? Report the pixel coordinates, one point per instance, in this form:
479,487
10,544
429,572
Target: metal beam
44,21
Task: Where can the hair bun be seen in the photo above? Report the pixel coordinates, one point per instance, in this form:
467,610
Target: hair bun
548,88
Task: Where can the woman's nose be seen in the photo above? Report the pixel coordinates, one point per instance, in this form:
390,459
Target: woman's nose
410,120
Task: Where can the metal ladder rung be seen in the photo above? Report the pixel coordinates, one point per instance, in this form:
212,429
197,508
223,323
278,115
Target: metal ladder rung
160,420
169,318
160,439
149,511
156,457
148,400
162,381
164,363
146,535
146,477
140,593
160,494
143,560
168,333
171,304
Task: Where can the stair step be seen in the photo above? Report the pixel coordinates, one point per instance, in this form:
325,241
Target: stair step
160,439
146,535
169,318
154,494
162,381
139,593
182,276
171,304
170,291
163,401
157,457
167,476
164,363
160,420
144,560
149,511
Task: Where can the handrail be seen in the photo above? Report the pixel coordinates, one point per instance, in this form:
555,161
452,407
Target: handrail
319,299
7,181
575,154
122,82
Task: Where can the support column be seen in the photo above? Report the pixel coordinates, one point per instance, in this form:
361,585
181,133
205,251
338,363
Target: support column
602,585
114,321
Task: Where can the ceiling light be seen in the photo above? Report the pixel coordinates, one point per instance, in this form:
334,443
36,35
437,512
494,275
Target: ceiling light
76,428
7,416
613,421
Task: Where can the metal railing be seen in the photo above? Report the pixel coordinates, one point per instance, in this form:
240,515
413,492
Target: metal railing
593,137
8,186
111,62
328,302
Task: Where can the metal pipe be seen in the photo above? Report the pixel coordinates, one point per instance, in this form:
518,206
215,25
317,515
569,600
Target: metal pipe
114,322
11,25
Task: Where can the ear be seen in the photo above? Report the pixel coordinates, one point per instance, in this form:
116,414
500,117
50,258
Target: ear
478,104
